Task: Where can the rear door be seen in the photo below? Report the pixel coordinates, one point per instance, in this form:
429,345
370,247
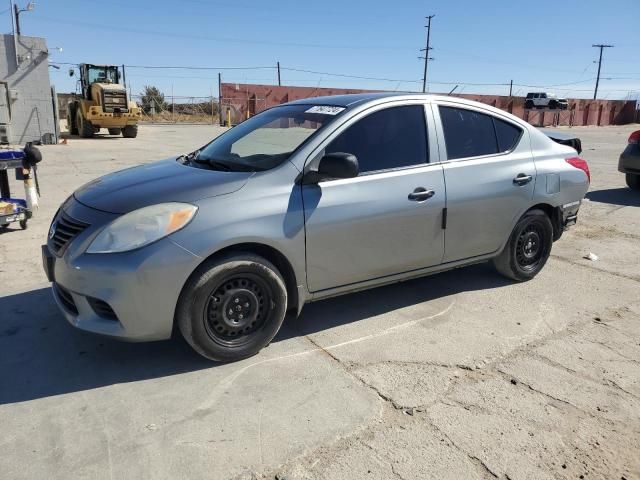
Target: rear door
490,177
374,225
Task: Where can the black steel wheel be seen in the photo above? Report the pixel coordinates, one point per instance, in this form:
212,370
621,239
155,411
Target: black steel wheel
231,307
237,307
528,248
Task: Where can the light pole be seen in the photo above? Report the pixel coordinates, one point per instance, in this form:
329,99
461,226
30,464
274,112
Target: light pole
17,11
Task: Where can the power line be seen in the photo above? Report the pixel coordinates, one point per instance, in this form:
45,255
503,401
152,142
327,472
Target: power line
601,46
193,36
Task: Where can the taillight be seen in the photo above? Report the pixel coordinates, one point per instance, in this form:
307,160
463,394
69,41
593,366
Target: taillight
580,163
635,137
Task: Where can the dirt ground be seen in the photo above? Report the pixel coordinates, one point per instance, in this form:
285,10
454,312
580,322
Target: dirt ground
462,375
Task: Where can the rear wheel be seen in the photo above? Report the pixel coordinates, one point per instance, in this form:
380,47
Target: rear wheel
130,131
115,131
232,307
85,129
528,248
528,104
71,124
633,181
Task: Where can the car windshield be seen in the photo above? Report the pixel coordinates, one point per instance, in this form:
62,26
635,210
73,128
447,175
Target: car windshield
266,140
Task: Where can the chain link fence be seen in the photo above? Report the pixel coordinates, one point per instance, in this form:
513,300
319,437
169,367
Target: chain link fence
168,109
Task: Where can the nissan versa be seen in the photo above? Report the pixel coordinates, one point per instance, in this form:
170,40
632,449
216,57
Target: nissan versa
307,200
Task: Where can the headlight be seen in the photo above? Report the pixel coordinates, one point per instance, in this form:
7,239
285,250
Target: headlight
142,227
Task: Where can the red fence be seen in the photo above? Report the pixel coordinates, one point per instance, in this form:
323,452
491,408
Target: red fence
240,100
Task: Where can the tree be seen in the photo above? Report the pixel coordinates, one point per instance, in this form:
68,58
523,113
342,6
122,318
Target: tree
152,96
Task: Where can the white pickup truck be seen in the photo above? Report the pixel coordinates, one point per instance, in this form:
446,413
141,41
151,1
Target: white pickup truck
545,100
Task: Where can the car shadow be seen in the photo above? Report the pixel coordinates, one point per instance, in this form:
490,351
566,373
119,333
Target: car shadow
359,306
41,355
615,196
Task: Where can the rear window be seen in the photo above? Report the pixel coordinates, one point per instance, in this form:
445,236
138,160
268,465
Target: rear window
468,133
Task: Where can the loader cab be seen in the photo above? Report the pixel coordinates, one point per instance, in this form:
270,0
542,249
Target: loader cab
90,74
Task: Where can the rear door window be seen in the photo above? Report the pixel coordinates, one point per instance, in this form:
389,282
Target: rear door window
467,133
391,138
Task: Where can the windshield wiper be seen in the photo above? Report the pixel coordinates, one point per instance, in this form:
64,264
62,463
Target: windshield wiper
189,156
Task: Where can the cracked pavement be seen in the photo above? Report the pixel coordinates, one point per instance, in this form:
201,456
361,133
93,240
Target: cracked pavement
458,375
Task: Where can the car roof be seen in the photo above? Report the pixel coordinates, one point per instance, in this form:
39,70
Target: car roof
348,100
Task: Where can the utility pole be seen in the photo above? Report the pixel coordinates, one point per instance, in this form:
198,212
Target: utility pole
510,87
426,53
601,47
279,83
16,12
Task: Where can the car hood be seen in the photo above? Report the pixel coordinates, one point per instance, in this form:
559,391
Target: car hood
163,181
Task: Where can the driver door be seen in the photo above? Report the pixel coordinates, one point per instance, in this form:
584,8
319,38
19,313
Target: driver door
374,225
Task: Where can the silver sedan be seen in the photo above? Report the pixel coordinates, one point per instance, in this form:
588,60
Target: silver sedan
307,200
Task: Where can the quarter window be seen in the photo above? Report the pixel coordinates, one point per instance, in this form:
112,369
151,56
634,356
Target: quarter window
468,133
508,135
390,138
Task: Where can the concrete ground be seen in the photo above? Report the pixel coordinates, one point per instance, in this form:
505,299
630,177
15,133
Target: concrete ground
462,375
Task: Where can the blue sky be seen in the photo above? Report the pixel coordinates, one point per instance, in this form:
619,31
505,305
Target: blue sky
539,43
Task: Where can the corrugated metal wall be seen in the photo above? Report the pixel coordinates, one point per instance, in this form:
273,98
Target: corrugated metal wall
31,102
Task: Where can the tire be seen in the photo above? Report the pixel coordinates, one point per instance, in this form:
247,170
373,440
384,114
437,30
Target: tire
633,181
115,131
71,124
528,104
85,129
231,307
23,224
528,248
553,105
130,131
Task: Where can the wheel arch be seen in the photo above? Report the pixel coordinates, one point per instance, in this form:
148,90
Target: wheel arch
554,214
274,256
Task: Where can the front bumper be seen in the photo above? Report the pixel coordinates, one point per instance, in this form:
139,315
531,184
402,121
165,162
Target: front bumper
130,296
629,161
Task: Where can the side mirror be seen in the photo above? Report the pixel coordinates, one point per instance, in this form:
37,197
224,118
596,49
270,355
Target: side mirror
338,165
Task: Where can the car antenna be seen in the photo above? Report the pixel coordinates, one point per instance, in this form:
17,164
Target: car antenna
452,90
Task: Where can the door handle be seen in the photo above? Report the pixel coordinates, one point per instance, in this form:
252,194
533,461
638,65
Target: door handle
522,179
421,194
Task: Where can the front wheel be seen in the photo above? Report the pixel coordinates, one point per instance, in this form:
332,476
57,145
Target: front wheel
633,181
528,248
231,307
130,131
85,129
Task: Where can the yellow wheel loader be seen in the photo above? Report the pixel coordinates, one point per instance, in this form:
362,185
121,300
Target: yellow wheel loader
103,103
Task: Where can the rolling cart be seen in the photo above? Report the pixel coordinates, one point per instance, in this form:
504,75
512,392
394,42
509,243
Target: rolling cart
17,209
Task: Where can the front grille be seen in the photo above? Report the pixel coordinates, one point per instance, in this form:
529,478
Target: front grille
102,308
66,299
115,102
65,229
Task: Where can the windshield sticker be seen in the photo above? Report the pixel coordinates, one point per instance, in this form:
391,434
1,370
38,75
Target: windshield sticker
325,110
